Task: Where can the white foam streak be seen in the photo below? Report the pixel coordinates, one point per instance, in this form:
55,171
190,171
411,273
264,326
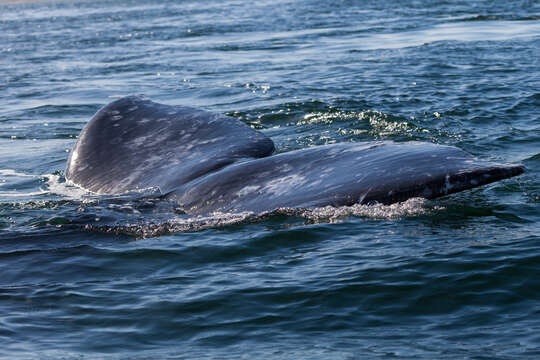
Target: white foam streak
327,214
179,224
66,189
411,207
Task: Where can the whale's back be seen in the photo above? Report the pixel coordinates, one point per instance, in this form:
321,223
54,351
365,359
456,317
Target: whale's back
208,162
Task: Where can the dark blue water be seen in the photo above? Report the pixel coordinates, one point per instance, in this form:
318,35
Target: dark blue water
89,277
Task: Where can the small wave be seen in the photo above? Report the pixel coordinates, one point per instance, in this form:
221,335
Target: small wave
17,194
9,177
380,123
11,172
497,17
54,184
459,30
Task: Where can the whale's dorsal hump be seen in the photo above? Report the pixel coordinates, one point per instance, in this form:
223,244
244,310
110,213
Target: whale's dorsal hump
134,143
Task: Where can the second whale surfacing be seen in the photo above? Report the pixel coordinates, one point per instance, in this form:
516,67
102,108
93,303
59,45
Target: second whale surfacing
209,162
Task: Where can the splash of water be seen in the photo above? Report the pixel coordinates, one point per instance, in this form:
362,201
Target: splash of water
410,207
327,214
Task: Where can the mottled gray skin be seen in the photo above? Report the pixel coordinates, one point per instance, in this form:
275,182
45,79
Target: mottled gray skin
209,162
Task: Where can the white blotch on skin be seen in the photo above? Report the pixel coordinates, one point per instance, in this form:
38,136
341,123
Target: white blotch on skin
360,148
247,190
315,183
447,185
327,171
284,184
210,141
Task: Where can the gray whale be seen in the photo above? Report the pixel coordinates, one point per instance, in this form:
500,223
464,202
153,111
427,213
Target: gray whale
209,162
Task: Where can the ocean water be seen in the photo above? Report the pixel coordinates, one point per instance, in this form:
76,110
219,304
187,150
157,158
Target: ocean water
89,277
